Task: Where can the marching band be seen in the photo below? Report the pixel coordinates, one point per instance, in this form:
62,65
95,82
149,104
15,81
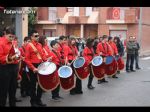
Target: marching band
43,68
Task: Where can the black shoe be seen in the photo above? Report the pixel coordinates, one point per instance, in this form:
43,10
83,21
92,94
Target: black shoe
34,105
91,87
12,105
56,99
23,94
138,68
133,71
118,72
18,100
128,71
28,93
59,97
99,81
39,103
102,81
72,93
79,92
105,81
114,76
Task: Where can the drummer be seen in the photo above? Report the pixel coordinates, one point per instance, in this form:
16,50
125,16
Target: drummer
62,43
34,57
70,54
88,54
45,47
103,50
114,50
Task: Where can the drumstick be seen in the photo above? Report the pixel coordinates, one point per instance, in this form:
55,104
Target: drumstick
49,59
74,60
65,61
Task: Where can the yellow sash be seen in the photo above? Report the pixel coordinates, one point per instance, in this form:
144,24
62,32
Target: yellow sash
45,51
35,50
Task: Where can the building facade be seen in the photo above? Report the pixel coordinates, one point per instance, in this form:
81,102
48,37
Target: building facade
95,21
18,22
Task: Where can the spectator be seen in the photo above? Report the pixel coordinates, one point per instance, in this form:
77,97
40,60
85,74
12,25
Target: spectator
130,48
137,54
119,45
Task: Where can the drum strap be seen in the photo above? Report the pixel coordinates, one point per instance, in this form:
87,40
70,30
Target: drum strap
111,48
105,50
45,51
73,50
57,56
35,50
92,52
62,51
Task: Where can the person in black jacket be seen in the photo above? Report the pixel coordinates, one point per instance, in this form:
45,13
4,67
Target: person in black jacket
80,45
96,41
137,54
119,45
130,48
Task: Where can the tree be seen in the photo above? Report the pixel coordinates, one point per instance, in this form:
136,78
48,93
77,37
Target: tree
32,19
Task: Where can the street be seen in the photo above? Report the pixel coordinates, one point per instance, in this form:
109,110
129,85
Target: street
130,89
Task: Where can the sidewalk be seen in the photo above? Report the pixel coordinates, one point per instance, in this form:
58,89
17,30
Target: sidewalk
142,55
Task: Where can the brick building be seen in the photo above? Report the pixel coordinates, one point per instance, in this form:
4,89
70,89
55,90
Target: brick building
95,21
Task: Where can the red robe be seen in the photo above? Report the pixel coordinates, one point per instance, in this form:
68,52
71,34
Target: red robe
88,54
104,49
113,47
31,56
70,53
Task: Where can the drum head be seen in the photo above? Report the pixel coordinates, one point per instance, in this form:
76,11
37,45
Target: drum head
97,61
65,71
79,62
46,68
109,60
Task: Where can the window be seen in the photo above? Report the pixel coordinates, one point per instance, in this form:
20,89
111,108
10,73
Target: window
52,13
88,11
69,9
95,8
49,32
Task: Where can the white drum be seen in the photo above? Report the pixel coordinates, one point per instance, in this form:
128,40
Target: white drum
46,68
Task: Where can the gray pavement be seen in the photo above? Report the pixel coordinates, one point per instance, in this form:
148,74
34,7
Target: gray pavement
130,89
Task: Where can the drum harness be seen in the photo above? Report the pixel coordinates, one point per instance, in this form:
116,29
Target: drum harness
57,56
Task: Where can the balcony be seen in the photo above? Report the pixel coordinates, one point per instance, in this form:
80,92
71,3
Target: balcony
125,16
83,19
92,19
73,20
78,19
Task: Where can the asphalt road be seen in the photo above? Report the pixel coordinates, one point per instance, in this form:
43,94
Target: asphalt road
130,89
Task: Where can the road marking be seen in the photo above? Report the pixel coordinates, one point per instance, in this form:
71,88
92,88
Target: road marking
146,58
